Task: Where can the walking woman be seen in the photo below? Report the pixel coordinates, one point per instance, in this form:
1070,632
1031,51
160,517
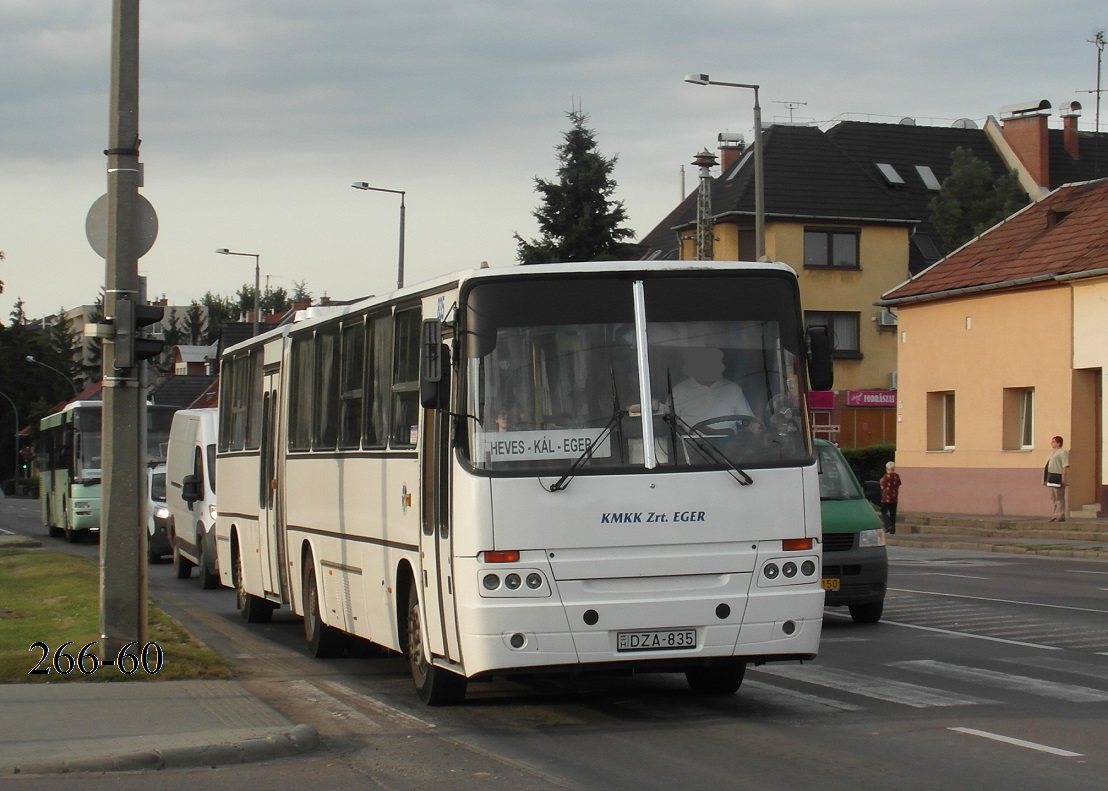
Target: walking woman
890,493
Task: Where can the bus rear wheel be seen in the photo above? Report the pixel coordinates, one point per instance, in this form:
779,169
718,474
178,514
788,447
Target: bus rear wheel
323,641
182,566
435,685
716,679
253,609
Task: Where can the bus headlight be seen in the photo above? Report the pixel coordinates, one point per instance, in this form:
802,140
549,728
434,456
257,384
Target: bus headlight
161,512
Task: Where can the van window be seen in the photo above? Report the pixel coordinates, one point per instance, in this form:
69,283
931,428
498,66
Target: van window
836,480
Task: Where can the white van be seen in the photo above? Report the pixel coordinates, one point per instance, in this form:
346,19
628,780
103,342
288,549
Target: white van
190,493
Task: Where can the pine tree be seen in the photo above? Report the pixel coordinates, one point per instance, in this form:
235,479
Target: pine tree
578,219
971,201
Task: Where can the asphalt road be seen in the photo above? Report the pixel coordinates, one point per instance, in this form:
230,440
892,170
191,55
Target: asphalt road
987,671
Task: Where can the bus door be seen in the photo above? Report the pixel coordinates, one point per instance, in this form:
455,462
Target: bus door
272,537
435,544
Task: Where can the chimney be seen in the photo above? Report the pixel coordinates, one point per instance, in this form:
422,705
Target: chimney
731,148
1025,131
1069,129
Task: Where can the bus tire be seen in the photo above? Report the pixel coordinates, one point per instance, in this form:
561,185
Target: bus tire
253,609
208,580
722,679
182,566
867,613
436,686
56,532
324,641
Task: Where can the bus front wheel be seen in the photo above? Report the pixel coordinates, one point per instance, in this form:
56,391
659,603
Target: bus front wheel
436,686
716,679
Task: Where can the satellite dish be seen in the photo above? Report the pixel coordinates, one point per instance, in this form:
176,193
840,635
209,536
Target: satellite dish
964,123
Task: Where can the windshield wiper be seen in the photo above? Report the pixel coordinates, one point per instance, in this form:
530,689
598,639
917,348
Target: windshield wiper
701,442
613,423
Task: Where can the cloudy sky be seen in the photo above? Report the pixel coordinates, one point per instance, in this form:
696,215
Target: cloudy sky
256,116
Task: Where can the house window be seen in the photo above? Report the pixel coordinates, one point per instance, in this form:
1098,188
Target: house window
940,421
842,328
831,248
1019,418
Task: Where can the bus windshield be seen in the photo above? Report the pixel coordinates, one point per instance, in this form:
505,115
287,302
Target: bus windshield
88,437
555,368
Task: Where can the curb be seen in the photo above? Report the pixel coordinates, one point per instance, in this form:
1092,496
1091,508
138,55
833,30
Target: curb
284,743
15,541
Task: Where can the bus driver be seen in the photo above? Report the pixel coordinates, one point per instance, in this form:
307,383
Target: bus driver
705,394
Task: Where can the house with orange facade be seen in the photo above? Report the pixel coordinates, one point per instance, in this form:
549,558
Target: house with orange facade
1001,346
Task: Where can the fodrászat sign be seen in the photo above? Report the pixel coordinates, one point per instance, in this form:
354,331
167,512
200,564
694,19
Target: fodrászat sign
542,445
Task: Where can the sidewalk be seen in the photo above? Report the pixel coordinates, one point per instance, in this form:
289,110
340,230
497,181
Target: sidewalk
1077,537
60,727
129,726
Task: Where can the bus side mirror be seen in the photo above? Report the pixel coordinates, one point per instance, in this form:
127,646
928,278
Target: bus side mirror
821,373
190,489
434,367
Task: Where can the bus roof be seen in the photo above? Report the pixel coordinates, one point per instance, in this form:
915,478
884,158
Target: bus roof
449,281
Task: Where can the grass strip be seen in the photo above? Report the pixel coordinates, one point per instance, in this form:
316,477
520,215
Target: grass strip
53,598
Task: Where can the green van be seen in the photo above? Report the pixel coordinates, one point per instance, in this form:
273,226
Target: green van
855,562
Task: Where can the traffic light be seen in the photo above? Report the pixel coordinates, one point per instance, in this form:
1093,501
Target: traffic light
131,344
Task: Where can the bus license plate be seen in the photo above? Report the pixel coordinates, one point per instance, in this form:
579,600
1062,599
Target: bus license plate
830,583
656,640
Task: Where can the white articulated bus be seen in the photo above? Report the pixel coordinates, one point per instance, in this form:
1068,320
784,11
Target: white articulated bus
534,469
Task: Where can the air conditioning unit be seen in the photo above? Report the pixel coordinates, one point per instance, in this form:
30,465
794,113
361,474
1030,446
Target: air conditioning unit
886,318
892,380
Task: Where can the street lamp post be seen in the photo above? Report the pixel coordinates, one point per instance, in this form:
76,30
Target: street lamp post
257,279
759,180
15,435
361,185
76,392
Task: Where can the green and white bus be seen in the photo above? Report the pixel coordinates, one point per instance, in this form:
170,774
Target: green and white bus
69,464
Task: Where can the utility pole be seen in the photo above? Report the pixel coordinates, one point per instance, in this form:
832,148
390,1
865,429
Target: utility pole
123,616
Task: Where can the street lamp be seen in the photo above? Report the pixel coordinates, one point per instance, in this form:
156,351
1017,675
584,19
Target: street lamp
361,185
257,279
15,470
759,180
60,373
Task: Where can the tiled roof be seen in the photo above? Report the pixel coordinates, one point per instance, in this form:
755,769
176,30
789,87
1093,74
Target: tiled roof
180,391
906,148
808,177
1064,233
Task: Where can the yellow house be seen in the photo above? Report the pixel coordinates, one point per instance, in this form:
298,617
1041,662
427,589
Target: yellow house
1002,346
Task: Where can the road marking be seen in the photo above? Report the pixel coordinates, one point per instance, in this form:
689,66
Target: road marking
899,692
996,737
1065,665
944,574
1084,571
373,703
1033,686
970,634
803,696
1001,601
